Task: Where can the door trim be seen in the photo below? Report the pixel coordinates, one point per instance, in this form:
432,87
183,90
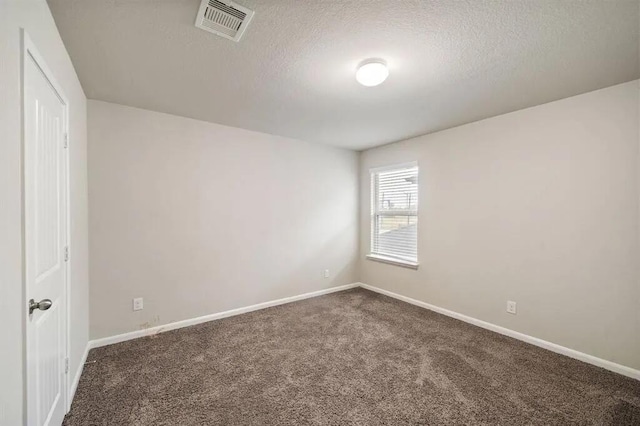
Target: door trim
29,50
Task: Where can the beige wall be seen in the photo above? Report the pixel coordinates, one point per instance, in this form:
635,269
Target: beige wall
34,16
539,206
199,218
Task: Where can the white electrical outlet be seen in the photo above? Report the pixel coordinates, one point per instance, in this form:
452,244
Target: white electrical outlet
138,304
326,273
511,307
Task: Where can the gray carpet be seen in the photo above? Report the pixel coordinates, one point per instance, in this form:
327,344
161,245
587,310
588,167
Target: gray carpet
348,358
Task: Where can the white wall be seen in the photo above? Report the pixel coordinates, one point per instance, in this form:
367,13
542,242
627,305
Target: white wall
538,206
199,218
34,16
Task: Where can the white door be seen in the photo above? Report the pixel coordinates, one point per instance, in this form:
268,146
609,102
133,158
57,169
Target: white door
45,201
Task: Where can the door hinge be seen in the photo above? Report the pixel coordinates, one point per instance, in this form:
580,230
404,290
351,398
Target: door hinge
66,140
66,365
66,253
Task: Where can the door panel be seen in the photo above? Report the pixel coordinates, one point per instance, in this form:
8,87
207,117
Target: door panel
48,366
47,187
45,239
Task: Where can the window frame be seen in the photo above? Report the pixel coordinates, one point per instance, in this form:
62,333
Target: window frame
375,213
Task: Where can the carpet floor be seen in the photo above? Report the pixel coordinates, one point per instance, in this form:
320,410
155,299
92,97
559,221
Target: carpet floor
348,358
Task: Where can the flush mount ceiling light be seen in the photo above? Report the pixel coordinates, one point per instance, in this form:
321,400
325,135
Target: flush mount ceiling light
372,72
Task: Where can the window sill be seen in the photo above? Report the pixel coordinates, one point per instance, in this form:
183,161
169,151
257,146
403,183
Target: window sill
392,261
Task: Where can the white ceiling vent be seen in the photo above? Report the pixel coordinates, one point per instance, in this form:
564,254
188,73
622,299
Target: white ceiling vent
225,18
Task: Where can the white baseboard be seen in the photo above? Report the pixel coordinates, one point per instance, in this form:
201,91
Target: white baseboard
76,378
211,317
589,359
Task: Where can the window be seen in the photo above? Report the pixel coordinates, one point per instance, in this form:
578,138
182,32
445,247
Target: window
394,215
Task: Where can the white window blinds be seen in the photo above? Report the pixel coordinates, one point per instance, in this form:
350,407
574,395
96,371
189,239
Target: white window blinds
394,232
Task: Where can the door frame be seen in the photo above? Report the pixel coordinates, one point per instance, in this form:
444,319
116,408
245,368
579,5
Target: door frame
29,50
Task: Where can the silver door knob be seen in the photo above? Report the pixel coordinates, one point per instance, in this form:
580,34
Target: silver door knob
43,305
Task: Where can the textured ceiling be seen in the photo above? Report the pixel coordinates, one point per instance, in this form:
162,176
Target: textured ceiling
292,74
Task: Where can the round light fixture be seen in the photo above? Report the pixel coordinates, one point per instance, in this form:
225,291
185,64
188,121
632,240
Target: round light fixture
372,72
